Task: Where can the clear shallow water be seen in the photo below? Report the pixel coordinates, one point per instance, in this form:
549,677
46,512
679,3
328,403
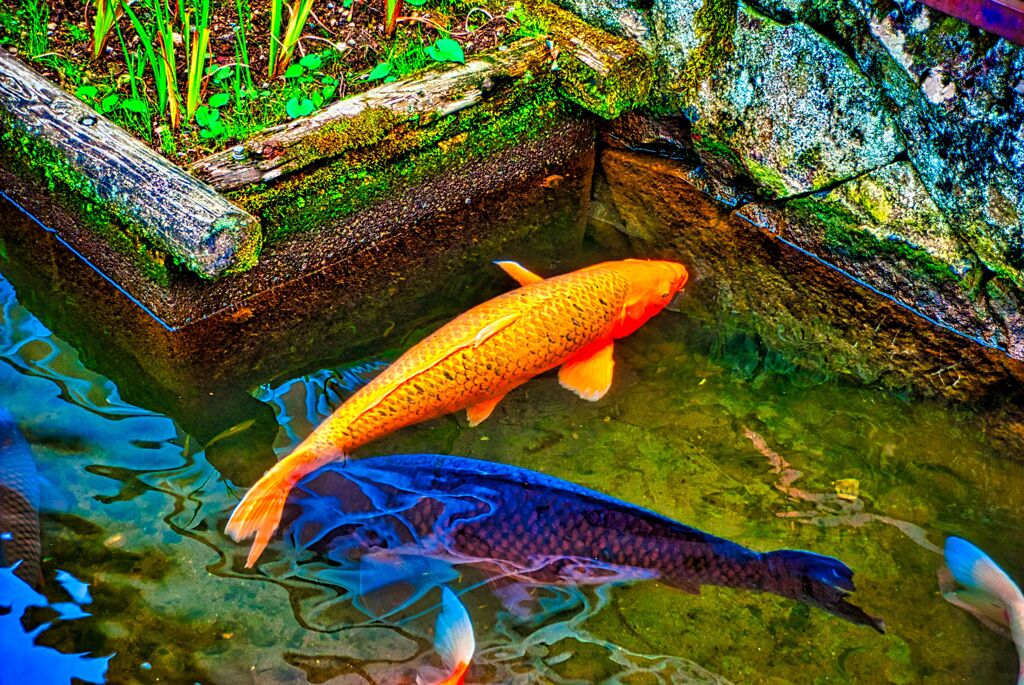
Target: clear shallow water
690,429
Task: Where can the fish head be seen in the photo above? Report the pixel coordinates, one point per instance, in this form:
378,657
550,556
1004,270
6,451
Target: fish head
652,285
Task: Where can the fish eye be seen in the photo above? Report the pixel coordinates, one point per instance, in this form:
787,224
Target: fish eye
665,295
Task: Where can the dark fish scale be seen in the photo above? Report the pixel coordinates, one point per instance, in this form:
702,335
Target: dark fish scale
547,527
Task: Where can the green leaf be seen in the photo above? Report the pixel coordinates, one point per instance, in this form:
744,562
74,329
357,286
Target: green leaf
135,105
328,80
294,71
379,71
87,92
299,108
416,3
390,79
311,61
219,100
317,98
108,103
206,116
222,74
446,50
328,92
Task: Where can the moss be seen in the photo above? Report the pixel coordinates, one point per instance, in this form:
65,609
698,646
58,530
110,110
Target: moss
403,154
767,179
713,147
625,86
715,24
843,234
32,157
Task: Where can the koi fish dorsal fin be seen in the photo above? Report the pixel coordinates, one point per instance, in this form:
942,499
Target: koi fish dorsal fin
479,412
479,338
521,274
453,635
589,375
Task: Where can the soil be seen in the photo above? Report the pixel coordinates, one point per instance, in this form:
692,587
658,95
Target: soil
351,39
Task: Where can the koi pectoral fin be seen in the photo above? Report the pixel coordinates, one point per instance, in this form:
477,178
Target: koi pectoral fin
589,375
522,275
479,412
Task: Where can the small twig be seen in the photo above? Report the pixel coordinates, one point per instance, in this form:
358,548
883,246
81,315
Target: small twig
422,20
351,9
336,46
481,10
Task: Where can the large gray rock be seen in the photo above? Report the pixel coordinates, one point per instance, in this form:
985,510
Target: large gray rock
963,119
778,104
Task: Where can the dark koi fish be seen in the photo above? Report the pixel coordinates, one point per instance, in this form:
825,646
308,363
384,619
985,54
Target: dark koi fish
534,527
19,503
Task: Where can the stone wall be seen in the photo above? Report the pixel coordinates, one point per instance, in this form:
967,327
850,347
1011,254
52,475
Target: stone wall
883,136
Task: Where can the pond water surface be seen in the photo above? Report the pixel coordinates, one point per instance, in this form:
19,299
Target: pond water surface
695,427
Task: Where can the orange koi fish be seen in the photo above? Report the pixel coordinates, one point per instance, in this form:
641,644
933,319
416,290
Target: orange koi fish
472,362
453,638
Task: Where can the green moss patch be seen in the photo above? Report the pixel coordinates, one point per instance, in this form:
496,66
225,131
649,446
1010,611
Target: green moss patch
32,157
400,153
715,24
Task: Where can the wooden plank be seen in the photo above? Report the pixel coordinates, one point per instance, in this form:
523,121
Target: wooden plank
290,147
174,211
1002,17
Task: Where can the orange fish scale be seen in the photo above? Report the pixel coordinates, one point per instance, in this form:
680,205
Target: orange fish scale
558,317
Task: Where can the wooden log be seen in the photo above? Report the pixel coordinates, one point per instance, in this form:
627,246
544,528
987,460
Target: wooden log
70,142
290,147
1002,17
603,73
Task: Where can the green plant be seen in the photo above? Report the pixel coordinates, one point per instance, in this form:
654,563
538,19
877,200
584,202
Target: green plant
282,47
527,25
105,15
75,32
392,8
158,46
37,15
446,50
197,49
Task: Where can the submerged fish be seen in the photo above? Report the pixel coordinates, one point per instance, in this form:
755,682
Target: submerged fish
533,527
990,593
453,638
19,503
473,361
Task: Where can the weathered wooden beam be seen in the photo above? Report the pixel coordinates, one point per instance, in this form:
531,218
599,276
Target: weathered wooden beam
364,120
71,144
1002,17
603,73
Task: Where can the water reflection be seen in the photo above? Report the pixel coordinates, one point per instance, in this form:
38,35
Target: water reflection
383,534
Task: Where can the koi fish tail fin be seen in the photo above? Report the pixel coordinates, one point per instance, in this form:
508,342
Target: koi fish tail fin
259,512
816,579
976,571
453,637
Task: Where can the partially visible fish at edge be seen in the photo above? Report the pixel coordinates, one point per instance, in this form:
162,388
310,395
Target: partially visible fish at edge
19,503
473,361
989,593
453,638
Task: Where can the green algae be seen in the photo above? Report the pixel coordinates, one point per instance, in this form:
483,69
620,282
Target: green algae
715,25
405,152
767,179
843,233
32,157
622,83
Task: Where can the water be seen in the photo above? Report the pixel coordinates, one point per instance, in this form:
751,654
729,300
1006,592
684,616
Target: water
690,429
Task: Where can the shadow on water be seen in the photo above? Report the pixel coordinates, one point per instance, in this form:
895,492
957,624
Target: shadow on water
720,417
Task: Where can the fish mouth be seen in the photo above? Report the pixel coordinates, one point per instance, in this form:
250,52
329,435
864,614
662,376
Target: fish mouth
676,303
